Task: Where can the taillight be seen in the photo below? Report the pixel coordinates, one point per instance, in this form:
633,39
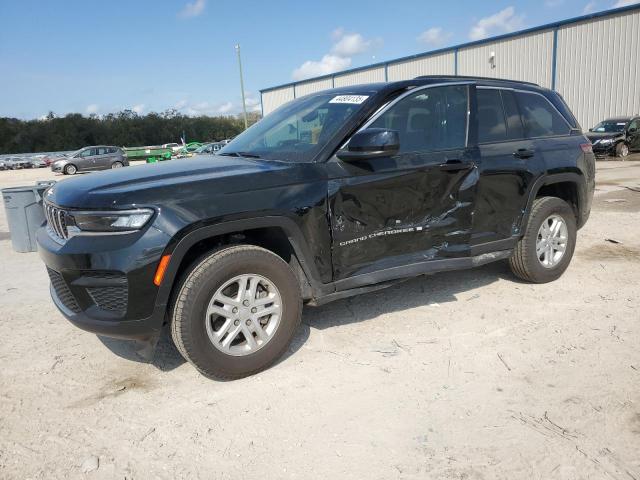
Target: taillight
586,147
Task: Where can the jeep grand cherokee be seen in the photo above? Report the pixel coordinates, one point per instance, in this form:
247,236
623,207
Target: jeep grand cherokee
333,194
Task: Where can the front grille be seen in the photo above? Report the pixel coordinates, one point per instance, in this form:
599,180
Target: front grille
112,298
62,291
56,220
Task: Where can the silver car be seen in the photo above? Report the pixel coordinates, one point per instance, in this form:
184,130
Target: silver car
88,159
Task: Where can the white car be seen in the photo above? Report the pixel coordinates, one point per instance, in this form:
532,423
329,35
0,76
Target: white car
175,147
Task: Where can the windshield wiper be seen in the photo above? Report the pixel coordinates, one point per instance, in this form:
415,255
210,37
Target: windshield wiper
240,154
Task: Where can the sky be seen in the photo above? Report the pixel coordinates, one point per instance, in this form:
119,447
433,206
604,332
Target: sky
102,56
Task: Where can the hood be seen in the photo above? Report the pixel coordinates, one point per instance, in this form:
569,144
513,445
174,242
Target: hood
593,136
163,182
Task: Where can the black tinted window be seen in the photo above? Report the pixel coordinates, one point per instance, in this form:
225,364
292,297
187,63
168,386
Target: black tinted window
491,122
541,119
430,119
515,129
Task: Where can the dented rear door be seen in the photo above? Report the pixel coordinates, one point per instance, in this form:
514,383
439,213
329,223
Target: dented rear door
412,207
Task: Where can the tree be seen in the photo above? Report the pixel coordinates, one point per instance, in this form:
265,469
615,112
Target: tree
125,128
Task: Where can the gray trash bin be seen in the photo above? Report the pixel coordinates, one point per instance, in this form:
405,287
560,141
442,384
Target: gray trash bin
23,206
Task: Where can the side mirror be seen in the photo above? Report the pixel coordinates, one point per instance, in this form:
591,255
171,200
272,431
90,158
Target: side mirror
591,129
371,143
633,130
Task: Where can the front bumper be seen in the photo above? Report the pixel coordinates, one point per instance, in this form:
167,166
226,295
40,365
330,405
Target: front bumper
104,284
604,150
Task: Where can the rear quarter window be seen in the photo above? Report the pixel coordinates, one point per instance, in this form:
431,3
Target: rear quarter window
540,117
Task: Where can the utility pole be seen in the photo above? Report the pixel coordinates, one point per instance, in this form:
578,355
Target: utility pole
244,105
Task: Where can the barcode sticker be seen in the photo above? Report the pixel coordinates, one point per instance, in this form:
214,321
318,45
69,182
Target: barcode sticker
354,99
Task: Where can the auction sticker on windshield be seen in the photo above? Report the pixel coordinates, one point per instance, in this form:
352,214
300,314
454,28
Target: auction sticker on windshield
355,99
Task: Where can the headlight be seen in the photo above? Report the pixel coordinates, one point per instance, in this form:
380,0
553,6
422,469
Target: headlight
105,222
606,141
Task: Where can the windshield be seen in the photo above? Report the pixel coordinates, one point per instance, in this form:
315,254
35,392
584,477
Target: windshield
297,131
610,126
73,154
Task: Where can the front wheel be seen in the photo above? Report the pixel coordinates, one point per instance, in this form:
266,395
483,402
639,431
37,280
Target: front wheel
70,169
545,251
622,150
117,165
236,311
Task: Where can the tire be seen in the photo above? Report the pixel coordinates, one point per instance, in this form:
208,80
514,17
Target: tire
70,169
525,262
117,165
622,150
192,328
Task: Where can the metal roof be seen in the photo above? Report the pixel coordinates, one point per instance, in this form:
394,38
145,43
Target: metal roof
547,26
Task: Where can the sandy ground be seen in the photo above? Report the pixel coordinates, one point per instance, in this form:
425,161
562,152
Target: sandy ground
465,375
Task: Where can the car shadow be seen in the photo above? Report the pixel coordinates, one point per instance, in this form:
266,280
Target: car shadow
405,295
412,293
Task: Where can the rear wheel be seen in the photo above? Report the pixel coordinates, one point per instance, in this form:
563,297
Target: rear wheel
622,150
545,251
70,169
236,311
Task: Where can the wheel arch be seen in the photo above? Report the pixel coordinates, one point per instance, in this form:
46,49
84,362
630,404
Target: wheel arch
279,235
568,186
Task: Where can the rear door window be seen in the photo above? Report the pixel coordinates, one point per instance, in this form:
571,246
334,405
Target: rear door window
515,129
492,126
541,119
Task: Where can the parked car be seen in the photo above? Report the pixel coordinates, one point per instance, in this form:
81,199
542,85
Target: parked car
616,136
3,165
37,162
52,157
90,159
175,147
334,194
17,163
204,148
210,148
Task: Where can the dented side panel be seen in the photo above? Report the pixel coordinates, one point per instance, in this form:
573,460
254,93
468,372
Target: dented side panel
398,210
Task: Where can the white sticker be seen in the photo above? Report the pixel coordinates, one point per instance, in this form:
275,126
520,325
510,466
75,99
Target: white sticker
622,124
355,99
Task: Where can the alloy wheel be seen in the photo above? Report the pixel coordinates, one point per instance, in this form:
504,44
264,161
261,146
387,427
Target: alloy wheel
243,314
551,242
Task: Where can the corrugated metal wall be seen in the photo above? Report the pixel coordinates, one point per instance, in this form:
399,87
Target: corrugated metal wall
442,64
598,67
305,88
527,58
274,98
371,75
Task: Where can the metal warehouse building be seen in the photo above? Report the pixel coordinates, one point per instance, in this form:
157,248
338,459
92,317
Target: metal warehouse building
593,61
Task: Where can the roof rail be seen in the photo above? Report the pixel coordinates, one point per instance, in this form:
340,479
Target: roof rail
424,77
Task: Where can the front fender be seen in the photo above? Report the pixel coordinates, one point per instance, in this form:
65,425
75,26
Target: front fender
181,246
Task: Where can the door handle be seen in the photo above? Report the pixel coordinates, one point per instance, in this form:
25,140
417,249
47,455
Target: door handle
453,165
524,153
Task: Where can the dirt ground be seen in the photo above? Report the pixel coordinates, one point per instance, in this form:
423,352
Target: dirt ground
464,375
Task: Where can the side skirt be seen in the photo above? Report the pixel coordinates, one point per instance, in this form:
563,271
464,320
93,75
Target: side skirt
384,278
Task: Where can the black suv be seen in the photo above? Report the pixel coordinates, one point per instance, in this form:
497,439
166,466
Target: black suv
615,136
334,194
